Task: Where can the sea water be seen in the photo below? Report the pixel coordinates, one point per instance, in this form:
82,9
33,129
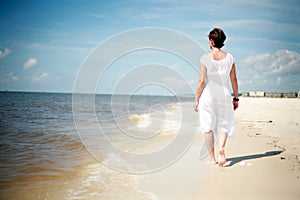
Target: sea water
42,155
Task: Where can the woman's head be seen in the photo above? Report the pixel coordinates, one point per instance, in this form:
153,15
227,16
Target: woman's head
217,37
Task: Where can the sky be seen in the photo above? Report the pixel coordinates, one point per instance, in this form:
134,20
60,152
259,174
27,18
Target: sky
44,44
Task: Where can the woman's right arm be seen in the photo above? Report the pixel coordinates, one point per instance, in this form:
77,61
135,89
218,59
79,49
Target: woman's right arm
200,86
234,84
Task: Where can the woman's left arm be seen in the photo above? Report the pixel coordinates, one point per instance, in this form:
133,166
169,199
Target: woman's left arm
200,86
234,84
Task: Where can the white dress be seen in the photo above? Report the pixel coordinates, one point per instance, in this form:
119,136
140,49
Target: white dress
215,104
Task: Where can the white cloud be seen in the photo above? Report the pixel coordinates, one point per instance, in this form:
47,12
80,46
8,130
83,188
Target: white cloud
30,63
41,77
5,53
13,76
270,71
281,62
279,80
285,62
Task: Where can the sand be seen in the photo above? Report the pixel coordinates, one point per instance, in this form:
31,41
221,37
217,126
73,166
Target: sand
262,158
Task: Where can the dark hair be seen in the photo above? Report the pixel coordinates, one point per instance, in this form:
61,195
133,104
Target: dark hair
218,36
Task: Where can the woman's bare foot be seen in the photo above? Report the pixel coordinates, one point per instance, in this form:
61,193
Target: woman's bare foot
222,158
211,162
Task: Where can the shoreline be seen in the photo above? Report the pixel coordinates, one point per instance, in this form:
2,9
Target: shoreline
295,94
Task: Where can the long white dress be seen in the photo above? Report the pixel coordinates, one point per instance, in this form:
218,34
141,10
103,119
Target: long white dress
215,104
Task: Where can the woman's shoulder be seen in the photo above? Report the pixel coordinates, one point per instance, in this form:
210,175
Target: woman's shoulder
229,56
208,58
205,59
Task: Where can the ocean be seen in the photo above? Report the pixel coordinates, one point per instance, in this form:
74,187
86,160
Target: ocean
44,156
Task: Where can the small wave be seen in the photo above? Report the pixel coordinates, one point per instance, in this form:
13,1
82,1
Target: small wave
176,106
116,161
98,182
142,120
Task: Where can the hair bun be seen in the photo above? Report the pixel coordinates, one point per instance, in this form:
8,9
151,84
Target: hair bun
218,36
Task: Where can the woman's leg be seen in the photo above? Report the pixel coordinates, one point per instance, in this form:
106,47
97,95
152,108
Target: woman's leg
209,141
222,142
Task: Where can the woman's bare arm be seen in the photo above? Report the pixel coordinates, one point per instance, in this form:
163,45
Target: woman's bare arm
234,84
200,86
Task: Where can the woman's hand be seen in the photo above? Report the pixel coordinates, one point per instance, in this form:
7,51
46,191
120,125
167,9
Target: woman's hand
235,104
196,106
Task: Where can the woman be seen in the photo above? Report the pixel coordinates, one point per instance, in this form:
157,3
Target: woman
213,97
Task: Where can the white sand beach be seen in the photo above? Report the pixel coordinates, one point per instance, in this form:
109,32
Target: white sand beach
262,161
262,158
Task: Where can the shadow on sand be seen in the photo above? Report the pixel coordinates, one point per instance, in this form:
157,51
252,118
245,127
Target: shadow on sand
236,160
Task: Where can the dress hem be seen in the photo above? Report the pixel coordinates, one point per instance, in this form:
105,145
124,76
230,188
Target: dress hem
230,133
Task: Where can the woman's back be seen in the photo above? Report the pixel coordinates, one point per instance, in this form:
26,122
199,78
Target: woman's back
218,69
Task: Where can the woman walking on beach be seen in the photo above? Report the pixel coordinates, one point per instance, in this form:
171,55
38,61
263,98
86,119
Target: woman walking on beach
213,97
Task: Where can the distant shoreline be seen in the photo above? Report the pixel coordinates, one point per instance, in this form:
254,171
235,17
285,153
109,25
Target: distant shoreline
243,94
272,94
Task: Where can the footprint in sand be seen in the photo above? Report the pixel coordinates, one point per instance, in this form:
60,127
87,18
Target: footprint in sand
242,163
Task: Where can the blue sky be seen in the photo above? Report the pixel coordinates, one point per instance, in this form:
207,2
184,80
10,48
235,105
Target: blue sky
44,43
